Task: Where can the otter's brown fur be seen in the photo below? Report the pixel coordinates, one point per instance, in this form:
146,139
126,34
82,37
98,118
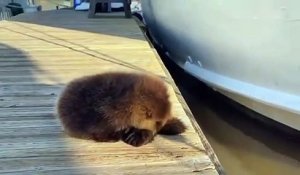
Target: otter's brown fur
114,106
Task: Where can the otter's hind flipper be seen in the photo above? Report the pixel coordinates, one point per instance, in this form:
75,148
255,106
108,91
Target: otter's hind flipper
173,126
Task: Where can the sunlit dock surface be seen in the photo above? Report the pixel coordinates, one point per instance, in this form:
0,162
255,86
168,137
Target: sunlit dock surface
40,53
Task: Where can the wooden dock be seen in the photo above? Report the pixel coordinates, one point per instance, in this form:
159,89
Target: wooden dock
40,53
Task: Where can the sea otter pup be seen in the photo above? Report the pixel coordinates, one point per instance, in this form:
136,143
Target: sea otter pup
108,107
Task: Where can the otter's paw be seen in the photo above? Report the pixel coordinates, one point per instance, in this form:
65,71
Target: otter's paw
137,137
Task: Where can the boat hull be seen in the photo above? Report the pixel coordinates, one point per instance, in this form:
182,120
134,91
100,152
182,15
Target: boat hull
248,50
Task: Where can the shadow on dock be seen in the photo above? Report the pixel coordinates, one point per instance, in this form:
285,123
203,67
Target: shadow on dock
28,128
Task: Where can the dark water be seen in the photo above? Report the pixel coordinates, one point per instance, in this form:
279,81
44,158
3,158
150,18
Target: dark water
243,145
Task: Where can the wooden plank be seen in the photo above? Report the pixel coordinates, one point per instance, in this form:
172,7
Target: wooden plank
148,168
39,54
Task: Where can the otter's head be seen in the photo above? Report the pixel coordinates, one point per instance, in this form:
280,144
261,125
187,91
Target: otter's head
153,106
150,117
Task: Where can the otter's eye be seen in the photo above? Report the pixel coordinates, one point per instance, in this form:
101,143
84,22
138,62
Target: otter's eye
148,114
158,124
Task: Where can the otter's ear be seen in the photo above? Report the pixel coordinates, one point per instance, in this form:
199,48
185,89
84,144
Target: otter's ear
173,126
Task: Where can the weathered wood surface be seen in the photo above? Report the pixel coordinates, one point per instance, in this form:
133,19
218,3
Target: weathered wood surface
39,54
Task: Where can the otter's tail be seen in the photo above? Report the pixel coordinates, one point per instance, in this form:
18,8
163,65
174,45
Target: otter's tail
173,126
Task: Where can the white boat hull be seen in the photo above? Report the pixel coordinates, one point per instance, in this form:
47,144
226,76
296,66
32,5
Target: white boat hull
247,50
